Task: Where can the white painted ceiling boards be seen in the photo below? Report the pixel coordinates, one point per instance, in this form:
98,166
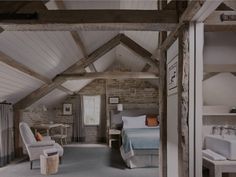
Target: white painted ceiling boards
50,53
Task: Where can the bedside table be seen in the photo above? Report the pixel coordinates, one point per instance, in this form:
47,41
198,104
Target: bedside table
114,135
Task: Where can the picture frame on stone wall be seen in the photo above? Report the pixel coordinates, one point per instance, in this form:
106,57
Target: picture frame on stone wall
172,76
114,100
67,109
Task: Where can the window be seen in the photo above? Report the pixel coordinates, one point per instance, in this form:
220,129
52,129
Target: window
92,109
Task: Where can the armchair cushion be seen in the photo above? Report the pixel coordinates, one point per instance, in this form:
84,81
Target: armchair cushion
47,138
38,136
42,143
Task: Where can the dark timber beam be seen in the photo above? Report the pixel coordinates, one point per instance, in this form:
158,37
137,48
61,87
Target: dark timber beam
162,97
146,67
81,64
196,11
109,75
72,20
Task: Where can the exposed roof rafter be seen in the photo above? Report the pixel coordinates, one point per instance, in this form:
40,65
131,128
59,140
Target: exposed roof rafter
81,64
109,75
73,20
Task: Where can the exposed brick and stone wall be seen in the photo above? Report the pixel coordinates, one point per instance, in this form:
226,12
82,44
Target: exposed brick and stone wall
132,93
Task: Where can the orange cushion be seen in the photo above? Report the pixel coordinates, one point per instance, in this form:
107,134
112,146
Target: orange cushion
152,121
38,137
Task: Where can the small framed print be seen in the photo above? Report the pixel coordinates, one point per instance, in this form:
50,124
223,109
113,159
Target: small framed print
67,109
114,100
172,76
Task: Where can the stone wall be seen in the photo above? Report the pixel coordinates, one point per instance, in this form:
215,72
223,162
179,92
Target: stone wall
133,94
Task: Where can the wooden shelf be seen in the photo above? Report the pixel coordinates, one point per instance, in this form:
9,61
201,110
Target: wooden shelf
217,111
220,114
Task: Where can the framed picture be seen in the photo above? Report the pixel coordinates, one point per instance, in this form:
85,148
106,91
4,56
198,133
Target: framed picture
67,109
114,100
172,76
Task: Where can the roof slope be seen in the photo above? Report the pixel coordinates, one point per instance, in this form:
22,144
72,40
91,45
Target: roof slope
50,53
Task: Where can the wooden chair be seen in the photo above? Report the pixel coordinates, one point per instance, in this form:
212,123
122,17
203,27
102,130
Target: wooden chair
63,134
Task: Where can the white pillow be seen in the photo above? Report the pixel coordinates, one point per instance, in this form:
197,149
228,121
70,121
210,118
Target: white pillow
134,122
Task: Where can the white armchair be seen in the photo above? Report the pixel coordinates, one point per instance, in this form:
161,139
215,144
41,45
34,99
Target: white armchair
35,148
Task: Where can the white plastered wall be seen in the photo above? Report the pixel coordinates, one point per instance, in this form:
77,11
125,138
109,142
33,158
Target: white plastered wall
219,49
172,122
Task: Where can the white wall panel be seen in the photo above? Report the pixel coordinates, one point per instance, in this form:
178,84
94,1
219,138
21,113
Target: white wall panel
14,84
94,39
147,39
47,53
111,4
129,58
50,100
103,63
76,85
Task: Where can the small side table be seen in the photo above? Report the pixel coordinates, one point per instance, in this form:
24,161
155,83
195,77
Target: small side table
217,168
114,135
49,165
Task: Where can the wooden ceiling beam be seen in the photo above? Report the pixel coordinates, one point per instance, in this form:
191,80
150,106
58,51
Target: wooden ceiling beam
234,73
66,90
131,44
73,20
109,75
81,64
146,67
196,11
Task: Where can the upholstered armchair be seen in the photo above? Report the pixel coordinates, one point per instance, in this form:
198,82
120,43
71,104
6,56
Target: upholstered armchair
35,148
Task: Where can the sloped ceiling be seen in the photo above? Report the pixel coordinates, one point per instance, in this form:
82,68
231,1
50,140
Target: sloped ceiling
50,53
47,53
14,84
107,4
50,100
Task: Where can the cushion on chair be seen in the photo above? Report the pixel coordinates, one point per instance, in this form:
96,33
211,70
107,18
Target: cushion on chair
38,137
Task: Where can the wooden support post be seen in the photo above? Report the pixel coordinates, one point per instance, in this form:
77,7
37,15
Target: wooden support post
162,98
163,113
183,102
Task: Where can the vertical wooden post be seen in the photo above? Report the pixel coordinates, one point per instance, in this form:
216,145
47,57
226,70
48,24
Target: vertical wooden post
183,102
163,114
162,99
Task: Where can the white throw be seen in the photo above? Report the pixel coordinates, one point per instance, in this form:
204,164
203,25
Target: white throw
212,155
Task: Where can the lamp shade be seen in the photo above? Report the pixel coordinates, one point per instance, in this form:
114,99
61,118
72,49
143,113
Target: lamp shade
119,107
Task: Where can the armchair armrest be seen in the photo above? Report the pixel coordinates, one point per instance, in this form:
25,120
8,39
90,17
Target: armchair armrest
42,143
46,138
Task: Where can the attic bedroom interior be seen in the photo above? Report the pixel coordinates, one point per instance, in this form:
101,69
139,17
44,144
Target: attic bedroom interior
118,88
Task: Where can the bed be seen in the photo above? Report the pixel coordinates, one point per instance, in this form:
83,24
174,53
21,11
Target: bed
140,147
140,144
